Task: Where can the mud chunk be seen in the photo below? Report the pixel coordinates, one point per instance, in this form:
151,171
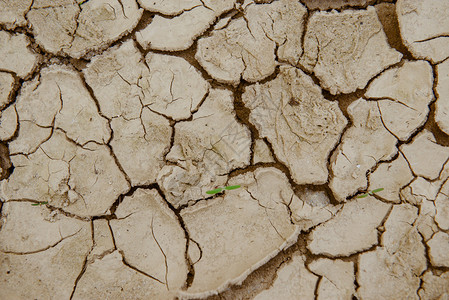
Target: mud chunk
114,77
421,188
397,226
39,99
346,49
179,32
15,56
418,152
57,98
188,182
282,22
170,8
29,137
250,42
246,227
404,93
375,269
310,208
95,178
54,23
307,207
396,265
146,218
12,13
442,207
362,146
300,124
432,199
442,103
6,86
337,281
293,281
78,115
81,180
352,230
74,29
262,153
439,249
434,287
103,240
49,273
205,150
242,56
140,145
425,223
27,228
8,123
174,87
110,278
123,83
424,26
31,176
392,177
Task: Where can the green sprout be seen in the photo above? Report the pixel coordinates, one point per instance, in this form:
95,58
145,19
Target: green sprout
39,203
370,193
218,190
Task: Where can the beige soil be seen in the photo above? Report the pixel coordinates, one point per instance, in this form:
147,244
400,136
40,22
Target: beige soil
117,117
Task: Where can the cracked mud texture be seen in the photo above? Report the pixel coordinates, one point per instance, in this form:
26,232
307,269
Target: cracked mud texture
301,125
179,32
117,116
346,49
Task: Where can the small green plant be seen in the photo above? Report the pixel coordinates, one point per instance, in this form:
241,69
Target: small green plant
39,203
218,190
370,193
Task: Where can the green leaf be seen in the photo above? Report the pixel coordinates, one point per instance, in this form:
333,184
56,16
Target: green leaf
362,196
232,187
377,190
211,192
35,204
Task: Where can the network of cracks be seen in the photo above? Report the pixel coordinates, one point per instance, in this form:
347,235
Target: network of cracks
117,116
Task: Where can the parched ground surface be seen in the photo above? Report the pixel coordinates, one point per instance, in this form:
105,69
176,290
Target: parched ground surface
118,115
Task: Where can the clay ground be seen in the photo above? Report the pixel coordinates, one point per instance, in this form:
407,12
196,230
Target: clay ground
117,116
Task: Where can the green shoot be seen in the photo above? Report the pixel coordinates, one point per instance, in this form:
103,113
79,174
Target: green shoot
39,203
370,193
218,190
232,187
377,190
214,191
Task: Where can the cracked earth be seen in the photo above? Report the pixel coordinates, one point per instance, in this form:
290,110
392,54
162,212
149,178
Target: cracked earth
117,116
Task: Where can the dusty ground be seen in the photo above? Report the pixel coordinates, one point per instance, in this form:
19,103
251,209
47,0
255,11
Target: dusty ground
118,115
